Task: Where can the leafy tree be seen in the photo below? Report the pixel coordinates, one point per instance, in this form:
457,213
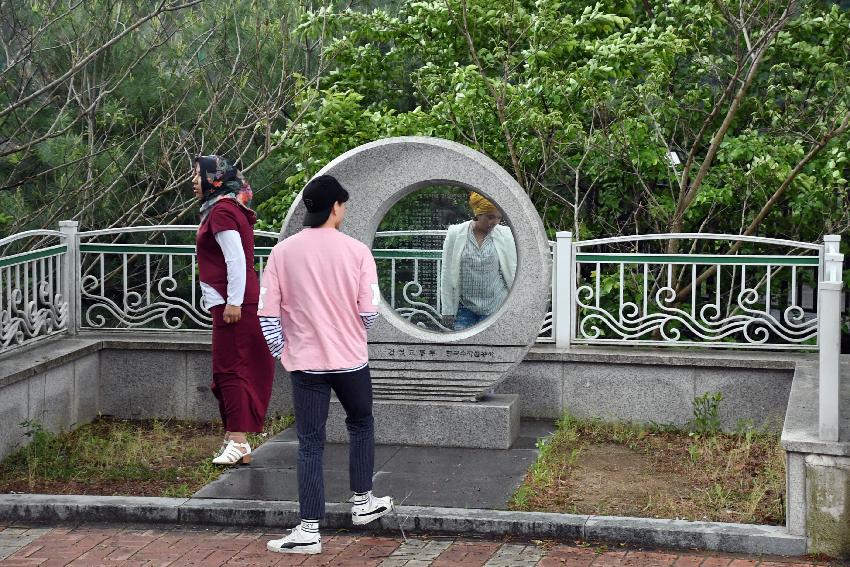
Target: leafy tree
104,103
584,104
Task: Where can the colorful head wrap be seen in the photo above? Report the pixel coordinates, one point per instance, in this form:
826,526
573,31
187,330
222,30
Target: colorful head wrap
480,205
221,180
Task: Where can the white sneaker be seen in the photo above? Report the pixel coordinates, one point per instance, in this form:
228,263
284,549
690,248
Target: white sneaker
373,509
298,541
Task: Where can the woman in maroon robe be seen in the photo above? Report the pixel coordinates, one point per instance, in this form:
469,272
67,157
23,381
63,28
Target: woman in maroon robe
243,369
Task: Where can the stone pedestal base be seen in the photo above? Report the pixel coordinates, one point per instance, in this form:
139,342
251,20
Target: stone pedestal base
828,502
492,423
818,480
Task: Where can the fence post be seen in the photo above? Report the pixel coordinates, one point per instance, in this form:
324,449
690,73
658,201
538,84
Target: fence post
562,290
70,271
829,339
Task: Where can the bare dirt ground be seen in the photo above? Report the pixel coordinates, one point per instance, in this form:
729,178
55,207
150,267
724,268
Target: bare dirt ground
623,470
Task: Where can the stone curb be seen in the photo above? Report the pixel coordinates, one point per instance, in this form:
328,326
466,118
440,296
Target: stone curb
674,534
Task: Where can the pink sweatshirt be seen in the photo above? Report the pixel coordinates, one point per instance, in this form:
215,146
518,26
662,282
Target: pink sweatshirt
318,282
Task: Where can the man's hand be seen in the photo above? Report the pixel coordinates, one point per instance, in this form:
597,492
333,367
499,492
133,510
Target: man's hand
232,313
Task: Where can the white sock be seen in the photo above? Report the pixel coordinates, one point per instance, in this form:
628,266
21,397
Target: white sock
361,498
310,526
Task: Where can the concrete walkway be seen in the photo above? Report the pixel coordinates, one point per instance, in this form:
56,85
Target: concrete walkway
93,545
416,476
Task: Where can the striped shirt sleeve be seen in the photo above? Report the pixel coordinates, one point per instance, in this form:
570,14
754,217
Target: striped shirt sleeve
273,333
368,319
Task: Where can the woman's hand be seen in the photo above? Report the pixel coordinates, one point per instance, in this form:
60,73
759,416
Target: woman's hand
232,313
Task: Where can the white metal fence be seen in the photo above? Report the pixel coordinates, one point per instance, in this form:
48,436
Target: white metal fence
707,299
33,287
144,278
605,291
411,276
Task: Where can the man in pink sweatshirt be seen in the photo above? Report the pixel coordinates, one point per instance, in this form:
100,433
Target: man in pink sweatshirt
318,297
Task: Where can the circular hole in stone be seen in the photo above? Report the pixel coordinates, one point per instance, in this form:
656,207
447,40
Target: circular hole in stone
446,258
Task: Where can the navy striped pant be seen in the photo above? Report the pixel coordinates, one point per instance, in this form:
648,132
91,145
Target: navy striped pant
311,395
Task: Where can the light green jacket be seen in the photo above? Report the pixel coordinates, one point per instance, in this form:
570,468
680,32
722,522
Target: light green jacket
453,247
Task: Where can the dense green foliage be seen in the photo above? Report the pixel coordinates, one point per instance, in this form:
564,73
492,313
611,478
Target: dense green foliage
104,103
583,102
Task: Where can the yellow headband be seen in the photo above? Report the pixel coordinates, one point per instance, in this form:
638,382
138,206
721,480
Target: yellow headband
480,205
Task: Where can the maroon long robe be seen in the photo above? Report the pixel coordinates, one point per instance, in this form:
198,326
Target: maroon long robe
242,366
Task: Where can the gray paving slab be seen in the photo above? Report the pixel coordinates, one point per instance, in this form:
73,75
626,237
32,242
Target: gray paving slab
525,443
257,483
736,538
485,492
238,514
515,555
414,552
70,507
801,431
453,463
284,455
529,431
674,534
43,356
536,428
288,435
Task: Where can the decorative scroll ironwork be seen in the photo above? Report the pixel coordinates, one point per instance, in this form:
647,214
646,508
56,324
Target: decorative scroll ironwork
412,284
145,286
748,301
166,297
33,307
410,277
545,334
419,312
731,300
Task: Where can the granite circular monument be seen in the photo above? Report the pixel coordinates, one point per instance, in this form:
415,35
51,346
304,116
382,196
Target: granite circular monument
411,361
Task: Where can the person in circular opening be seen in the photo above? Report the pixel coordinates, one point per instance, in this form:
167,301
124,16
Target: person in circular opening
478,266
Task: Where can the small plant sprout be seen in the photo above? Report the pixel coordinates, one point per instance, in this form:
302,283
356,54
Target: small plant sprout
706,420
693,452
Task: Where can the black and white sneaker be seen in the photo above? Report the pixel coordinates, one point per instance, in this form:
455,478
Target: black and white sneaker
298,541
371,510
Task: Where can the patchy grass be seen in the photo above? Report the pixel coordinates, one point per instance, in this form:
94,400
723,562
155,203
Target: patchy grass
273,426
121,457
596,467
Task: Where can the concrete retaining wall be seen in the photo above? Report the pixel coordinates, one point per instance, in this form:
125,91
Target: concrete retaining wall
659,386
55,384
150,380
65,382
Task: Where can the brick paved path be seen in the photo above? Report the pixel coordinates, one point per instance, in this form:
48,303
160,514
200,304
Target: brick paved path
93,545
